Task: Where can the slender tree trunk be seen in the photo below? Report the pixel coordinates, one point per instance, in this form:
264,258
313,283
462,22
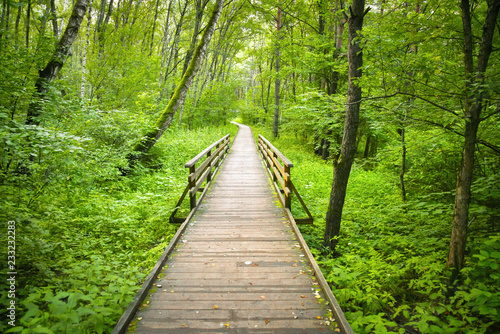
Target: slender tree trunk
125,18
2,20
200,8
403,160
108,16
85,52
277,81
165,119
119,14
175,46
16,31
100,20
61,24
28,15
342,164
154,28
367,146
53,13
136,9
165,43
474,96
49,73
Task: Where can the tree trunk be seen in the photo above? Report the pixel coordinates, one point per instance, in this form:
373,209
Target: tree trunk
85,52
165,42
49,73
53,13
367,146
474,96
28,14
100,20
154,28
403,160
277,82
163,122
61,24
2,20
342,165
200,8
16,31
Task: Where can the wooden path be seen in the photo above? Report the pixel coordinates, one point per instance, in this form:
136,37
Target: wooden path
238,267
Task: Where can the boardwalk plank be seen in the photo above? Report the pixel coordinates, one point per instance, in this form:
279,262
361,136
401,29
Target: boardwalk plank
237,267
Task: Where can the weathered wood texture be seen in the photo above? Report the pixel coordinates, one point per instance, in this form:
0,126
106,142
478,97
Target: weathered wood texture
238,267
279,168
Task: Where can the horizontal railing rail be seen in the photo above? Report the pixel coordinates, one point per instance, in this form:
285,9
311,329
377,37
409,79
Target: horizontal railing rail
278,166
214,154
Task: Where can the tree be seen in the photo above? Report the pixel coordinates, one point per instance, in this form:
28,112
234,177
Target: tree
475,97
166,117
342,164
277,81
49,73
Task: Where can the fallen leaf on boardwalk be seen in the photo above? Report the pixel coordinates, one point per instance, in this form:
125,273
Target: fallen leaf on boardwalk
250,283
303,296
294,265
158,285
295,317
171,291
140,318
318,317
227,325
317,296
216,307
267,321
262,297
255,265
337,329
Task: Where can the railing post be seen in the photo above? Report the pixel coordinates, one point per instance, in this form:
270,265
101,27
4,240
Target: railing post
288,187
192,185
275,157
209,175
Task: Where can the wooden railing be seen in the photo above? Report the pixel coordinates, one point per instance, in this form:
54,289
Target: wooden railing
278,167
215,153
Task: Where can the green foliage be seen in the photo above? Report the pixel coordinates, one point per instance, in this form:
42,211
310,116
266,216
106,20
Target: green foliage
215,106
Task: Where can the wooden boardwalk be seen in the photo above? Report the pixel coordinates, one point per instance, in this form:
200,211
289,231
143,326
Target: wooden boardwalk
238,267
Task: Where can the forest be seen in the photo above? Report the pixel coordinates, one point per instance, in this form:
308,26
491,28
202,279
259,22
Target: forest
389,110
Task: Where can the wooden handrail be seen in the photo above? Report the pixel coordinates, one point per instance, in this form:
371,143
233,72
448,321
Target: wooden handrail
278,153
214,153
278,166
200,155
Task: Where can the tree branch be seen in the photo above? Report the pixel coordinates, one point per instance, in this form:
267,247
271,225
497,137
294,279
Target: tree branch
408,94
491,146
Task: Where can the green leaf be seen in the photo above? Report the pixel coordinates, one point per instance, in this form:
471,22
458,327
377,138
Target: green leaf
42,330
